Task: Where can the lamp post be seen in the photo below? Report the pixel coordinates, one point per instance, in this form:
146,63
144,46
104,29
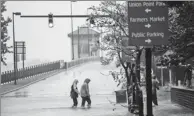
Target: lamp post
88,41
78,41
72,30
14,54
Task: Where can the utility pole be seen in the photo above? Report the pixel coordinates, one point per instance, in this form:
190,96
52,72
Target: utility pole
162,77
72,33
78,37
14,54
88,42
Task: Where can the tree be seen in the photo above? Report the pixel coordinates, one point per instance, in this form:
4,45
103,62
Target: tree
115,30
4,34
181,27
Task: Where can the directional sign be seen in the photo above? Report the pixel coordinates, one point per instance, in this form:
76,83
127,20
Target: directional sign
147,10
148,23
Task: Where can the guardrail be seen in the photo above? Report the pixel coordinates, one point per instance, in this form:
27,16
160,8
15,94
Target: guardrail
73,63
8,76
176,75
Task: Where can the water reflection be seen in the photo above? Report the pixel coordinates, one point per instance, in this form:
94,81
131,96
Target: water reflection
18,94
21,94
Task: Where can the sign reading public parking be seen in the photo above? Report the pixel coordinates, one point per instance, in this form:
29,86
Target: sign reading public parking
148,23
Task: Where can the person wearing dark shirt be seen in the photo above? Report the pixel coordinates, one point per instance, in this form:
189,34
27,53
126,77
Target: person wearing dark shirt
74,93
155,87
188,76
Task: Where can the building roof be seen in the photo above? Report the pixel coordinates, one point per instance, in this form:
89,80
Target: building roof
84,31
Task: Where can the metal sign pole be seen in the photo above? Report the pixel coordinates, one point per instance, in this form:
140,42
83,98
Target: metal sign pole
162,77
16,64
148,57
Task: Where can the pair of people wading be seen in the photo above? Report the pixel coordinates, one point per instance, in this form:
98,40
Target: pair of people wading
84,93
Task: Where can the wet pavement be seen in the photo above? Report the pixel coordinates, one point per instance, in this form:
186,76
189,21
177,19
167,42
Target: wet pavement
50,97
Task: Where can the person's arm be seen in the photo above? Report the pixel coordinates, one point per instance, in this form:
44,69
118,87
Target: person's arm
157,85
76,90
185,78
87,90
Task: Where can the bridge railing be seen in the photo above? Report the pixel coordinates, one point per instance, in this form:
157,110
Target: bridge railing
8,76
79,62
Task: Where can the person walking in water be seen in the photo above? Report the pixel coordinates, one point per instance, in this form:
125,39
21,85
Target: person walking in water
188,76
85,93
154,90
74,93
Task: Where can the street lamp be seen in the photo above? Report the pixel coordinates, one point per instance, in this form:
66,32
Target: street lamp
72,31
14,54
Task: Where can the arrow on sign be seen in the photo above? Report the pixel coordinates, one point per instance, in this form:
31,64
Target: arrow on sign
147,10
148,25
148,41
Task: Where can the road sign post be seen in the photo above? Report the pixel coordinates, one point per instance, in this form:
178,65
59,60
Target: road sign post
20,50
148,56
148,26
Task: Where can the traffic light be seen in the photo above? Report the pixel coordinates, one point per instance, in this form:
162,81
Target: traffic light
50,20
91,20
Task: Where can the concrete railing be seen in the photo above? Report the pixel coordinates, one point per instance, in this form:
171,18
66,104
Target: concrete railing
77,62
183,97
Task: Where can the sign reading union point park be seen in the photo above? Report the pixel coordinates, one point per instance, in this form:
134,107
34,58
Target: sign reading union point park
148,23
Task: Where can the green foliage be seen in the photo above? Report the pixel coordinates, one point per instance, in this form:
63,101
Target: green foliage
181,27
119,78
4,34
174,3
115,32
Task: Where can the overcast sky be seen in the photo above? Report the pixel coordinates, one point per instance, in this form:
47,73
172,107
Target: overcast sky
43,42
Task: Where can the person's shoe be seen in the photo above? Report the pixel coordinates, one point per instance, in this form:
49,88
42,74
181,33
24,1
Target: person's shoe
83,107
75,106
89,106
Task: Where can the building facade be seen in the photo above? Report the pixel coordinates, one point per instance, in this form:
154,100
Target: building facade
84,42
